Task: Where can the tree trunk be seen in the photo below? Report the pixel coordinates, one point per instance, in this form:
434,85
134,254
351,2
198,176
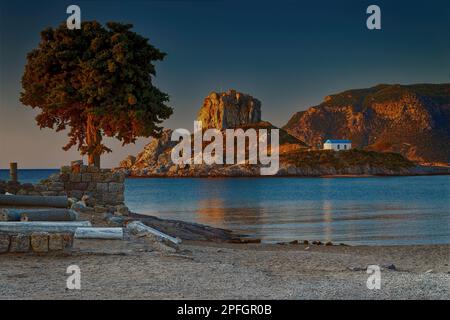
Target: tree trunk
93,141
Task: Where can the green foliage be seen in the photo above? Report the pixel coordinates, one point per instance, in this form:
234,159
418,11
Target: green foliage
102,71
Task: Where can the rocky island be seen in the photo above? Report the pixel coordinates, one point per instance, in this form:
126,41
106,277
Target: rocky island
375,119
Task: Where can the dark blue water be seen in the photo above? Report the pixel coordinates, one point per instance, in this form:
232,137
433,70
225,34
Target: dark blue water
29,175
375,211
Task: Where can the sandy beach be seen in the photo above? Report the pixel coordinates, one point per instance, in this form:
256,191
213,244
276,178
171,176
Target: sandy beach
206,270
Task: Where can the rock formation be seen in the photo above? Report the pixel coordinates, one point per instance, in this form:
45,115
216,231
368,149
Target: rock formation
229,110
411,120
237,110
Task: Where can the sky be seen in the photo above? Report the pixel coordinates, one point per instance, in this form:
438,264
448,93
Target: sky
288,54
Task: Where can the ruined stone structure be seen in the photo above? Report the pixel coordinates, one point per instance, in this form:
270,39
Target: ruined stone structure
102,186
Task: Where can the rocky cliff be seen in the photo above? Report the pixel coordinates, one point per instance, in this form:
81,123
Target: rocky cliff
411,120
230,109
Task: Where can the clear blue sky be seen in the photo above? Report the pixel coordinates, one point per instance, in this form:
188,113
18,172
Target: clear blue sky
288,54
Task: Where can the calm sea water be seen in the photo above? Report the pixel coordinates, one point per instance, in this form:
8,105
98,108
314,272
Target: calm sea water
375,211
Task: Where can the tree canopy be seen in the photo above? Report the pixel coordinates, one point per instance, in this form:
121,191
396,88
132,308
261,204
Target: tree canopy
97,81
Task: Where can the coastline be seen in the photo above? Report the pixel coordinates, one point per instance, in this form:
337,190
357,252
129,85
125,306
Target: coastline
293,176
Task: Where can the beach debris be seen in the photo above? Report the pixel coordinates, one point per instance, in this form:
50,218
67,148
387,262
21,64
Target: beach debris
317,243
305,242
329,243
34,201
245,240
429,271
307,248
357,269
390,267
42,226
38,215
294,242
99,233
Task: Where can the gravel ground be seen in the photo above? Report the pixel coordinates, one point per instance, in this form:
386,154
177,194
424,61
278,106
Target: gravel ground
205,270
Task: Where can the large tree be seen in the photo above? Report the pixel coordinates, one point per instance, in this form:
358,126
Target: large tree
96,81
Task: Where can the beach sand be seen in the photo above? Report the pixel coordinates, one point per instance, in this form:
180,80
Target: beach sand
206,270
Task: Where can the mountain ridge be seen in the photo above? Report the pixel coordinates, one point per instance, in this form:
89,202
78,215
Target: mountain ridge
413,120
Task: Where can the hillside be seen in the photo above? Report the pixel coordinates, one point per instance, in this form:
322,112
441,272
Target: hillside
413,120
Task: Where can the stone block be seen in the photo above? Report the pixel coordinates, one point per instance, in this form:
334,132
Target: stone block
92,186
111,199
77,194
86,177
97,177
119,177
39,242
116,187
102,187
93,169
56,186
82,186
55,242
108,177
4,243
20,243
75,177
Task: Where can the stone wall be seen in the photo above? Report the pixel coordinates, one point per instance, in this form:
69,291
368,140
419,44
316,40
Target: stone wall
101,186
37,242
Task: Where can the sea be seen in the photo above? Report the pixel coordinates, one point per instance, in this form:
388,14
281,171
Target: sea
354,211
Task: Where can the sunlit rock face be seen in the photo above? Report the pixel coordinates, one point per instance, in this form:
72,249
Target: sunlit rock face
412,120
230,109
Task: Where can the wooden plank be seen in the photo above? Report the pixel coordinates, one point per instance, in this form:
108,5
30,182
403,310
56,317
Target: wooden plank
99,233
41,226
34,201
139,227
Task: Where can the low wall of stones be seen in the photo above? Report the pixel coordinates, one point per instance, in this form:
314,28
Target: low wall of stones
102,187
37,242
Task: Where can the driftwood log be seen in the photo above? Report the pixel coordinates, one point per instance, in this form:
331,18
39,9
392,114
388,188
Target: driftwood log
38,215
34,201
99,233
40,226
